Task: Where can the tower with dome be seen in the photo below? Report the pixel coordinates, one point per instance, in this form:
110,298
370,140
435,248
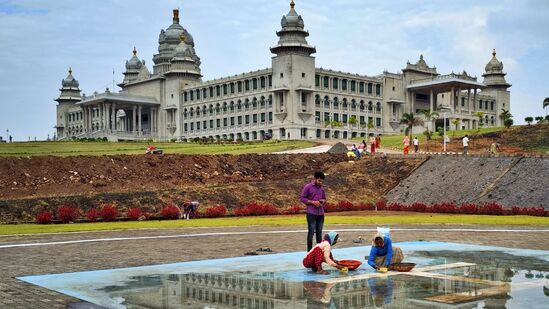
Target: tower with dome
293,99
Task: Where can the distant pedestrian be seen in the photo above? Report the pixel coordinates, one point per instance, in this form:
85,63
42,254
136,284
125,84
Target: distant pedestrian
190,209
465,142
378,141
11,139
406,143
372,143
314,198
416,144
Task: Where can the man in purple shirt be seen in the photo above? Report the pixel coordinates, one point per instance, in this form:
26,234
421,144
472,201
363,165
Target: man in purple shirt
314,197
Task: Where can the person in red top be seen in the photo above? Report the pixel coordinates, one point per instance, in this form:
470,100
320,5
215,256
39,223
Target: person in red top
322,253
150,149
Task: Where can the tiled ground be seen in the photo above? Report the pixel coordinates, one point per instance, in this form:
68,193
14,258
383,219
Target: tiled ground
63,258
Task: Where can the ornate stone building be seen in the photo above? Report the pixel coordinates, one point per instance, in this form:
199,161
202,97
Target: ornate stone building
291,100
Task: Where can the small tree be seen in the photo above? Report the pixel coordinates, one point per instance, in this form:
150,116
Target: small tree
429,117
455,122
508,123
505,114
410,121
545,104
539,119
529,120
480,116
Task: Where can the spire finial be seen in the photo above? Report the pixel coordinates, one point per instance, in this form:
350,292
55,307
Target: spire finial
494,52
292,4
176,16
182,38
70,70
134,51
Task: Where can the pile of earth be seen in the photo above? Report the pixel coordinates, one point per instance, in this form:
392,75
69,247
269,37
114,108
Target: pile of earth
32,184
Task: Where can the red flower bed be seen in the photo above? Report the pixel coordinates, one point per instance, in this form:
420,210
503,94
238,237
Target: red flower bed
418,207
329,207
170,212
396,207
215,211
519,211
491,209
44,217
445,208
345,206
256,209
134,214
365,206
539,212
468,209
291,210
93,215
108,213
381,205
66,213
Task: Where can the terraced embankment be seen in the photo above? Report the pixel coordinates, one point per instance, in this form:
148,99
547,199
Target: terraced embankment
509,181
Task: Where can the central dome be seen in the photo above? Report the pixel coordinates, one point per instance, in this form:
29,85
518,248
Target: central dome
494,65
70,81
174,32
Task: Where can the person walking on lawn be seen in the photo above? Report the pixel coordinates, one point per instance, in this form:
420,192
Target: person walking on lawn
314,198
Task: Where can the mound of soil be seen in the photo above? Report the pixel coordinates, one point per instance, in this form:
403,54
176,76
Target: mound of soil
338,148
30,185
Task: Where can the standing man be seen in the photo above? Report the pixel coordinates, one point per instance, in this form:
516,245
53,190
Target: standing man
465,141
416,144
314,198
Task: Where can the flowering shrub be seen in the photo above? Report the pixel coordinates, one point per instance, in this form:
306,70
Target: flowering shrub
215,211
329,207
396,207
540,212
445,208
108,213
519,211
93,214
292,210
66,213
491,209
380,205
364,206
418,207
44,217
256,209
468,209
170,212
134,214
345,206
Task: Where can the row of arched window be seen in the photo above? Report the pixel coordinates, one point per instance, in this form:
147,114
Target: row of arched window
343,84
231,107
241,86
346,105
76,130
75,116
484,105
226,122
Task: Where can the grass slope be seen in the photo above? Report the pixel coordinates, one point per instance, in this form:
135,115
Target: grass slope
276,221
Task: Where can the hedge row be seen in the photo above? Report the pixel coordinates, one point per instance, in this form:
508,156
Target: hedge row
67,213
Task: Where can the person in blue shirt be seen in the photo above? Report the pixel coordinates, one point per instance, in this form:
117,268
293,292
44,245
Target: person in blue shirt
382,253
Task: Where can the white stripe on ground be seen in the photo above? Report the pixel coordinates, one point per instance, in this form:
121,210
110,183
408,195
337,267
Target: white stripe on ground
254,233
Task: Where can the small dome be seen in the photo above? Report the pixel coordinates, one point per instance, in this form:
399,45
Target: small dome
183,50
134,63
292,19
494,65
70,81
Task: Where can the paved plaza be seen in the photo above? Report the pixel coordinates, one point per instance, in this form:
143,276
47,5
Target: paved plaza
62,253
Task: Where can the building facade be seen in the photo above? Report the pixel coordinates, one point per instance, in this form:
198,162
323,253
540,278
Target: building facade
291,100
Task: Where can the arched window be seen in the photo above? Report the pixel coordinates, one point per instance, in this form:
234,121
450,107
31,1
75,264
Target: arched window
336,103
231,107
239,106
217,108
232,88
224,107
369,88
335,83
344,104
353,105
317,100
493,120
353,86
191,112
378,107
262,102
370,106
344,85
492,105
239,86
326,102
362,105
326,82
210,109
254,83
254,103
247,104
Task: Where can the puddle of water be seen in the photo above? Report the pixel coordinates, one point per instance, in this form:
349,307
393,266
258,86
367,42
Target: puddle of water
484,277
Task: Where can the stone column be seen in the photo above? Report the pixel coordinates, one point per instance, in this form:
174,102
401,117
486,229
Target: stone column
101,116
139,110
475,99
134,119
459,99
452,99
469,100
113,117
413,102
431,100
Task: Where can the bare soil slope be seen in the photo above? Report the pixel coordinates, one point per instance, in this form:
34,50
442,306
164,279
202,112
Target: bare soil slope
28,185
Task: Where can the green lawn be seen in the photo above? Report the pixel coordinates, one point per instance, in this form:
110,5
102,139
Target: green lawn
395,141
297,220
106,148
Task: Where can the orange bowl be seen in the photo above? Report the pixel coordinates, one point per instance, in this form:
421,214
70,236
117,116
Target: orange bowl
350,264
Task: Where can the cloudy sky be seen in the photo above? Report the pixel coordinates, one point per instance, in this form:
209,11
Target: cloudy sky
39,40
